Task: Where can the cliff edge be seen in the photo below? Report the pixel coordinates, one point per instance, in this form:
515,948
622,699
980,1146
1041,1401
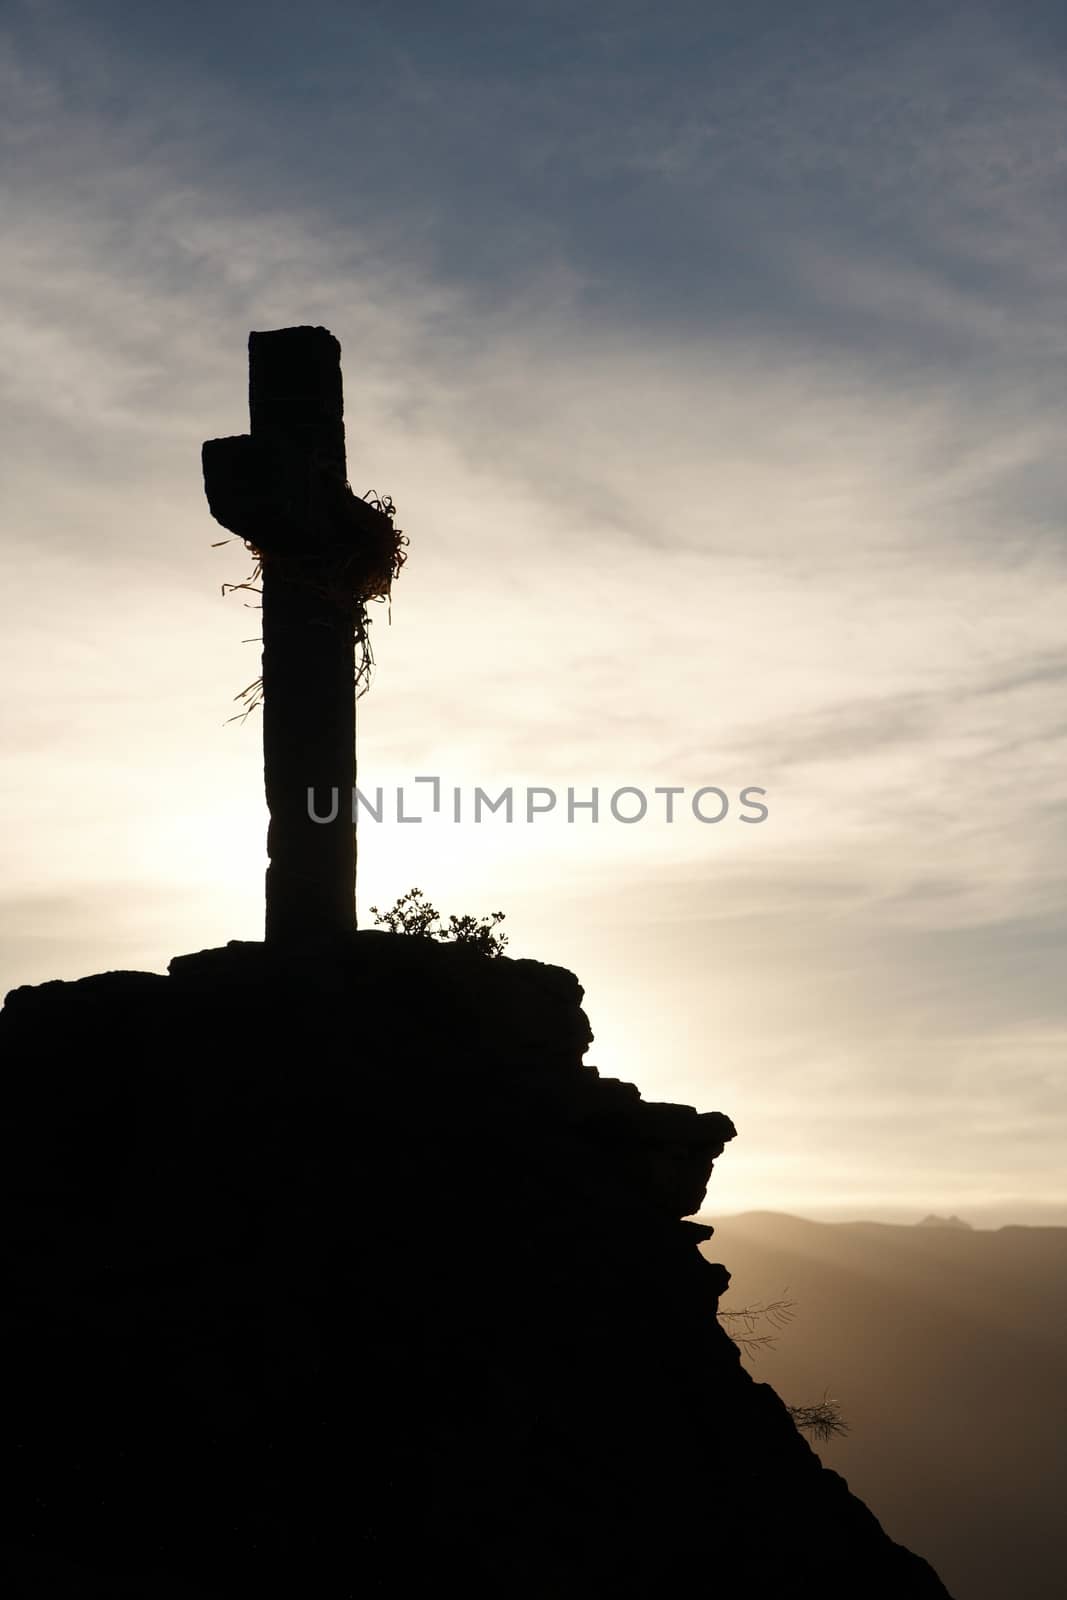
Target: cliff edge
338,1271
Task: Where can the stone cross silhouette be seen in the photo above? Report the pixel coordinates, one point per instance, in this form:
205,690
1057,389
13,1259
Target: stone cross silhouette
282,488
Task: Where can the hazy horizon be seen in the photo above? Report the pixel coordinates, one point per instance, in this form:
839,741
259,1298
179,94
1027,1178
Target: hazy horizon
997,1215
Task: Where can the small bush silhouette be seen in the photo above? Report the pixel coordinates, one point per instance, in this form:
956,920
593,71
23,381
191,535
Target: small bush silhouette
741,1325
414,914
823,1420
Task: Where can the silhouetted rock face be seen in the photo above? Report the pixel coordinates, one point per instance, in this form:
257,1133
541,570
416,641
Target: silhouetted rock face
339,1272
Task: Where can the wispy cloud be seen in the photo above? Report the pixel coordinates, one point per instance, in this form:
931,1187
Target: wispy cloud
727,435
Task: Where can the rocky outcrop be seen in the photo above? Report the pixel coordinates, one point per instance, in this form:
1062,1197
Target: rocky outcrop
338,1271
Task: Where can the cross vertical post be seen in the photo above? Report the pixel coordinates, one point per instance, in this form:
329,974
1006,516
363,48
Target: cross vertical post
282,488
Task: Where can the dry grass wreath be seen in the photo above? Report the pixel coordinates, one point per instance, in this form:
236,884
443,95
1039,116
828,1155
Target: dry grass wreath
357,576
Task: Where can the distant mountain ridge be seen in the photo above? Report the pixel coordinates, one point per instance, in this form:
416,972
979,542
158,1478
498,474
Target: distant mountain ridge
944,1347
719,1218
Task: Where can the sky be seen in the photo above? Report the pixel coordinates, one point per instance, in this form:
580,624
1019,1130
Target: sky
714,357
